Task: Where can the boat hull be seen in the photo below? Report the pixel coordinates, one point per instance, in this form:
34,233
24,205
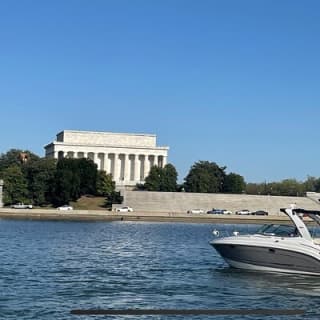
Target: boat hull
262,258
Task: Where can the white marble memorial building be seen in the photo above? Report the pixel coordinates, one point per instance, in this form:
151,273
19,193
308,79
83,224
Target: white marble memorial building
127,156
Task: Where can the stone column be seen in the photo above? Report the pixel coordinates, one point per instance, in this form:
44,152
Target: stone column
101,162
164,161
94,159
159,161
71,154
137,166
117,167
107,163
126,167
152,161
146,166
1,193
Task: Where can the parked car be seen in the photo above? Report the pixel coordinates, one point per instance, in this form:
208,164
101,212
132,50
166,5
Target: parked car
124,209
259,213
215,211
196,211
65,207
21,206
226,211
243,212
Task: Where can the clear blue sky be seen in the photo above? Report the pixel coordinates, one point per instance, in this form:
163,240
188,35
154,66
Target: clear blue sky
234,82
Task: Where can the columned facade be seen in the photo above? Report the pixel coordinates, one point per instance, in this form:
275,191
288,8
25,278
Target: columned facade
127,157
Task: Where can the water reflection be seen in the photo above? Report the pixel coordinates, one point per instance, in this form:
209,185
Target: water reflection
267,280
270,290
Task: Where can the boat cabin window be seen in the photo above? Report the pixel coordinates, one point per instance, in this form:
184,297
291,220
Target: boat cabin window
279,230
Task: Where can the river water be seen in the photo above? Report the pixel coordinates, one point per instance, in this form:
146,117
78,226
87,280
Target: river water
50,268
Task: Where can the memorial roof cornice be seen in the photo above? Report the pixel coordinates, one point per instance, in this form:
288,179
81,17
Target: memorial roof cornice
111,133
105,146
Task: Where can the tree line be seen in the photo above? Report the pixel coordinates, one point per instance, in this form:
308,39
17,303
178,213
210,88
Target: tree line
203,177
286,187
44,181
209,177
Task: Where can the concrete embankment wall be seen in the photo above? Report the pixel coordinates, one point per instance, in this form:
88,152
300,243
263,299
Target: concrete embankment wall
102,215
180,202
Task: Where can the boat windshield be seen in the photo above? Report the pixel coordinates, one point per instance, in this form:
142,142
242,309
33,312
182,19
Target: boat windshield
279,230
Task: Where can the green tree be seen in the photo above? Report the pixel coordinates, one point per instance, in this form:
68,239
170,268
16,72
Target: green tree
66,181
291,187
107,188
234,183
161,179
256,188
153,180
74,178
205,177
13,157
15,185
40,178
168,178
286,187
88,175
114,197
104,186
65,188
312,184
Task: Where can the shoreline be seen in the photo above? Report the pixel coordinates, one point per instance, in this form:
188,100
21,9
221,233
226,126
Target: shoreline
100,215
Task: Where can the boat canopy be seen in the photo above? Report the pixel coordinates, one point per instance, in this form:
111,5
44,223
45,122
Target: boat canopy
293,214
313,214
304,211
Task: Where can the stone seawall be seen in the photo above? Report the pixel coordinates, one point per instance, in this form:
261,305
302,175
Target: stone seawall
100,215
181,202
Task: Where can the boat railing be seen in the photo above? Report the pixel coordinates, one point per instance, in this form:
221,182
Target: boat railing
224,233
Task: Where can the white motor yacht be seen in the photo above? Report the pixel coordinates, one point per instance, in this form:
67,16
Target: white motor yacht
275,247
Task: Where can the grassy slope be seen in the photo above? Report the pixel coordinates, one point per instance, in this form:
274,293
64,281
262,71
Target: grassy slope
89,203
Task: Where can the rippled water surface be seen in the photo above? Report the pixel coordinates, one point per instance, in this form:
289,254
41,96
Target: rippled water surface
49,268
